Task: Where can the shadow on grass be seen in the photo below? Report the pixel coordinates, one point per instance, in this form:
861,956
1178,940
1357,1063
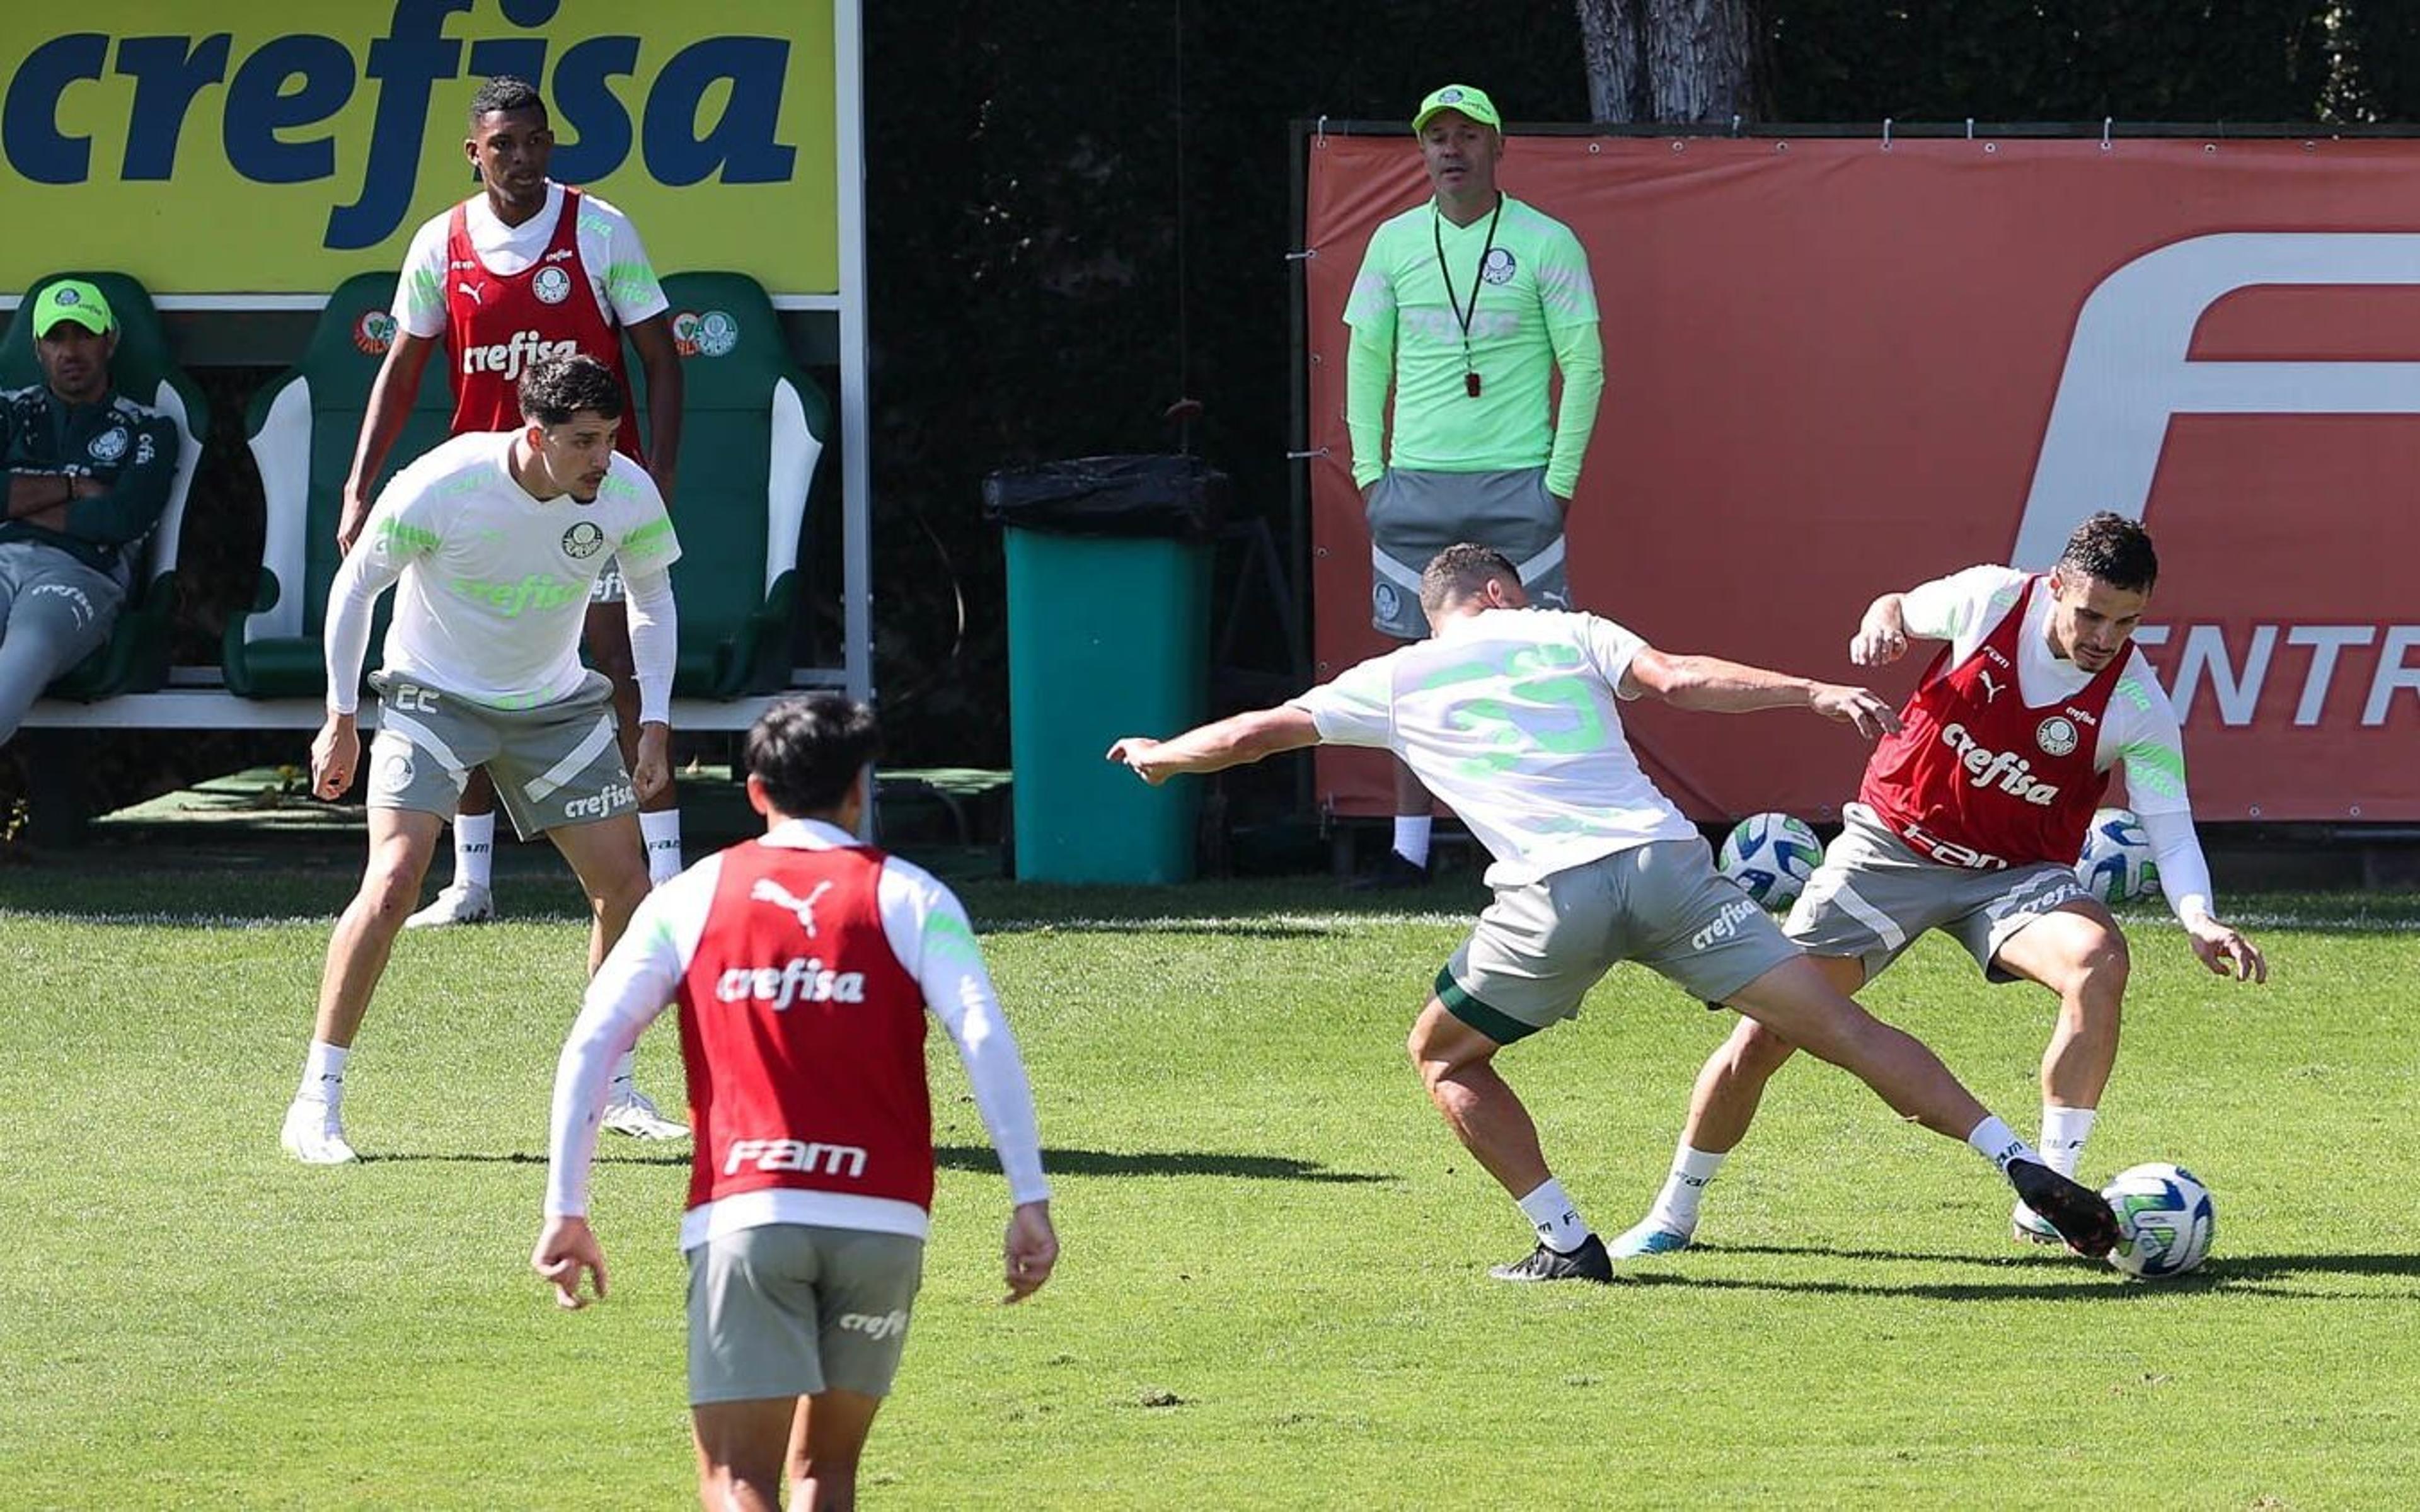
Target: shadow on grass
1155,1162
2256,1274
979,1159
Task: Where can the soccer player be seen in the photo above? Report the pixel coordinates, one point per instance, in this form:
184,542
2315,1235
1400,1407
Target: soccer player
524,267
1467,306
494,539
1514,719
1969,821
803,963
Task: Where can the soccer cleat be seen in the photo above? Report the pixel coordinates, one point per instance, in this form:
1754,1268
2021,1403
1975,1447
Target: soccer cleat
1395,872
314,1134
2080,1216
1586,1263
2031,1227
629,1111
458,903
1648,1236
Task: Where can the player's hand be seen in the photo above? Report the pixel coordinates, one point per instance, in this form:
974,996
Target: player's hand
2226,952
653,767
1858,706
356,513
1142,753
1032,1249
565,1248
1880,639
334,752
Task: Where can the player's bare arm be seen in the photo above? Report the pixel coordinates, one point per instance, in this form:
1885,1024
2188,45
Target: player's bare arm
1881,635
1233,741
2225,951
1719,687
390,405
567,1249
652,768
659,359
335,750
1032,1250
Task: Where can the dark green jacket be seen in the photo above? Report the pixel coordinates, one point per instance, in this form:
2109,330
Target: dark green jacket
127,446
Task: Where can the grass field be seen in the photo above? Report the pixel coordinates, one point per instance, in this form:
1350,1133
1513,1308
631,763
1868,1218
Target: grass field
1272,1290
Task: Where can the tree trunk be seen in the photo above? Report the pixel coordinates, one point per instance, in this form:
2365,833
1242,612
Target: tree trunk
1610,46
1698,53
1669,60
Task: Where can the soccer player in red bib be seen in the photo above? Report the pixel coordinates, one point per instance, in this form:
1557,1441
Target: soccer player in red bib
526,269
1970,820
523,268
804,965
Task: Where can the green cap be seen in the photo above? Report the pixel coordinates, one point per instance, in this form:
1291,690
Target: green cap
71,298
1462,97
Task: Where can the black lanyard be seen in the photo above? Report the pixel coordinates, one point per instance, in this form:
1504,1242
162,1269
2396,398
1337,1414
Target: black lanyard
1479,275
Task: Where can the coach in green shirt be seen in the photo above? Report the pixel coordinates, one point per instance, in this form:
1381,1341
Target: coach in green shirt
87,472
1465,306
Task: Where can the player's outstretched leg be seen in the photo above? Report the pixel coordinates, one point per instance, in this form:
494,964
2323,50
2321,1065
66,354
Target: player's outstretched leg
1456,1063
1730,1088
1796,1002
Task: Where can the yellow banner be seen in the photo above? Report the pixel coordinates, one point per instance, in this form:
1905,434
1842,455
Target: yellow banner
251,146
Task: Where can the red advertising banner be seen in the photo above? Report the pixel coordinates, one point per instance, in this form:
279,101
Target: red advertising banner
1836,368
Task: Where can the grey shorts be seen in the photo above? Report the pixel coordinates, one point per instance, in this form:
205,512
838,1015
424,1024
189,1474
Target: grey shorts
793,1309
1413,515
74,605
554,764
1873,896
1539,948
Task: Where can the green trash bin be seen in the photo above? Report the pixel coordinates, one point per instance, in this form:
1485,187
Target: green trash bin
1108,635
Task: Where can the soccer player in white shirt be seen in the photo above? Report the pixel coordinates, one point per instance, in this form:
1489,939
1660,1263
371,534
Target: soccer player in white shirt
1511,717
494,540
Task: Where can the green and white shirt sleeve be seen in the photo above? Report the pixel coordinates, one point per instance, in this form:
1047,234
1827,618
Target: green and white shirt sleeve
1962,608
420,290
631,286
1369,363
1567,298
403,528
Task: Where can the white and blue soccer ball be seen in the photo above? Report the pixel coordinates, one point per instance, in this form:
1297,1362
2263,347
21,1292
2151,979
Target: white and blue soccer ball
2165,1220
1769,857
2116,864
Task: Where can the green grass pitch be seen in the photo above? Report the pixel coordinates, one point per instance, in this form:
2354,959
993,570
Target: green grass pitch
1273,1293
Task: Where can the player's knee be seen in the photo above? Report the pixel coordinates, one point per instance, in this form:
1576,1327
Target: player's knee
2100,973
1757,1051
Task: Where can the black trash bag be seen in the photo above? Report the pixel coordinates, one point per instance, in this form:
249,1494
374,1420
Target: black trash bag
1163,498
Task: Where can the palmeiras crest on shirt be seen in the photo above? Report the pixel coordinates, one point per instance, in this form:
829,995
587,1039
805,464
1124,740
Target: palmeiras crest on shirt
110,444
583,540
2056,735
551,285
1499,267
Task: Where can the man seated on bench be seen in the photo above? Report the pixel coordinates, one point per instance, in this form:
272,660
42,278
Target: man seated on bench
89,471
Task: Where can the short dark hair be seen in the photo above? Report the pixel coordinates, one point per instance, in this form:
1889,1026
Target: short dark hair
2114,549
808,750
552,389
506,92
1461,570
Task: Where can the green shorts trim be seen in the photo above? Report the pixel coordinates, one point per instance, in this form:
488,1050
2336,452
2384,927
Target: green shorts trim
1500,1027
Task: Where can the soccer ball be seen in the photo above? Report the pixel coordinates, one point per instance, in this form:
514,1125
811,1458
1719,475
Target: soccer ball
2165,1220
2116,864
1770,856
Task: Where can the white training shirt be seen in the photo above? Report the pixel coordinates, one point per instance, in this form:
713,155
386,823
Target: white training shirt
619,273
2139,728
1511,717
928,932
495,583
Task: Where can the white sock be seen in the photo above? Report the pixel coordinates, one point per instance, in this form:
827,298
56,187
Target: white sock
323,1073
1996,1142
623,1070
1412,837
1557,1221
1692,1170
475,849
661,832
2064,1131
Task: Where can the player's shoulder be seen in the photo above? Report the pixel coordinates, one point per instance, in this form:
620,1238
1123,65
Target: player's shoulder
598,215
1402,228
2138,685
467,458
629,485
